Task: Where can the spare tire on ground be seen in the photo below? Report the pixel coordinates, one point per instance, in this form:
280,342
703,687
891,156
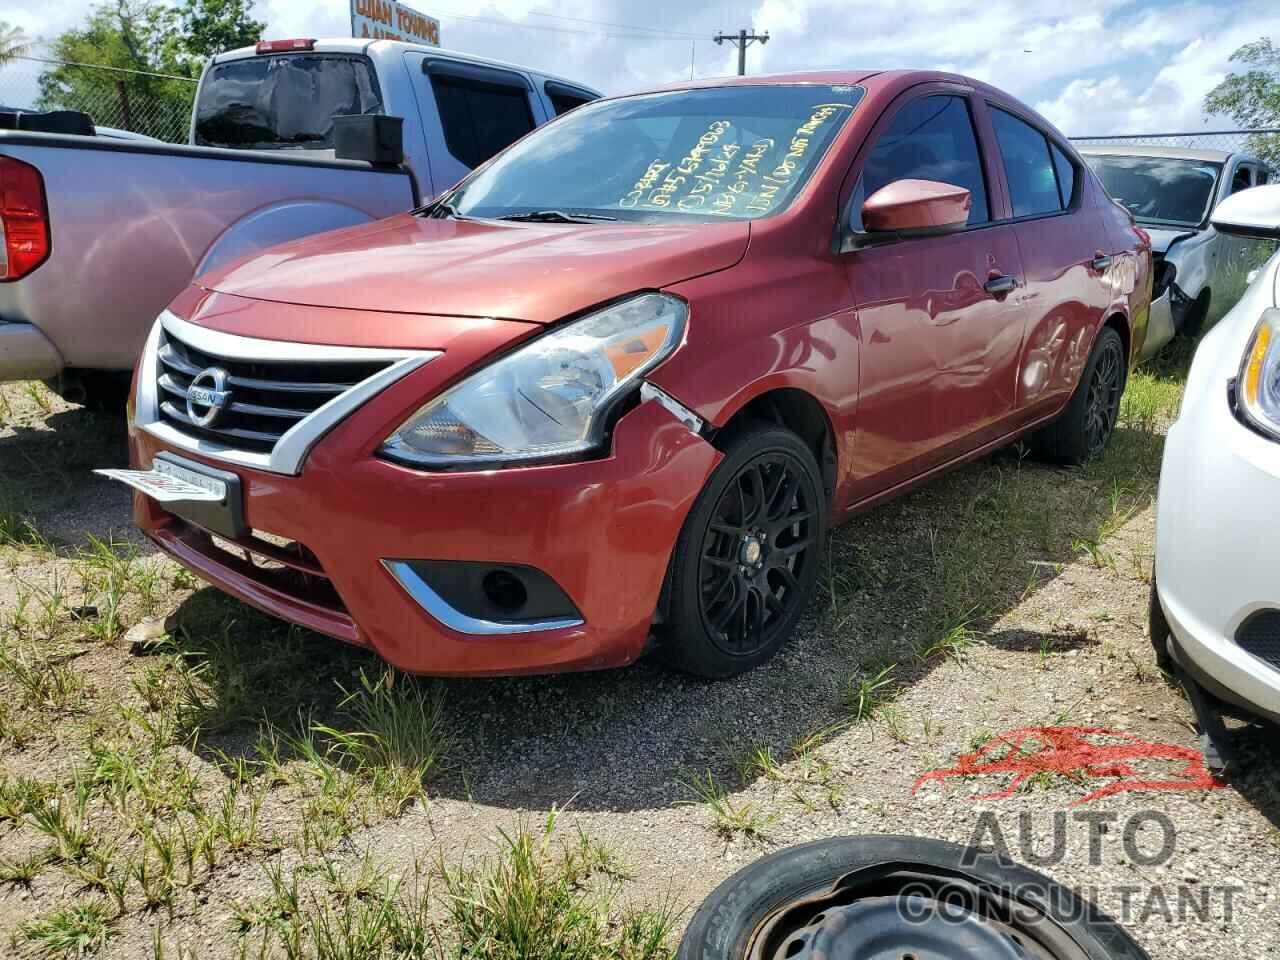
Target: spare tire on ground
898,898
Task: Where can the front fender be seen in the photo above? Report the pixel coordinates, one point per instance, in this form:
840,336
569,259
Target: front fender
277,223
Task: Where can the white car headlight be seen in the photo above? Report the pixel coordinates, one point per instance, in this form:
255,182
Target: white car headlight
549,399
1258,386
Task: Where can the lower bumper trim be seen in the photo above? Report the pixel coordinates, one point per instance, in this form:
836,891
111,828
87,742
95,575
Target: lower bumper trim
26,353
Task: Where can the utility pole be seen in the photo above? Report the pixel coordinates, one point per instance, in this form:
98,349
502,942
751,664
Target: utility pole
742,41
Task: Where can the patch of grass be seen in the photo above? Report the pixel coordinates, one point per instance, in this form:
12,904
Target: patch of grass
70,931
21,871
529,904
730,819
756,760
895,721
43,679
64,820
865,692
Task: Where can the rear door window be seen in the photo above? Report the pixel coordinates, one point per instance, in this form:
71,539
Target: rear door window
931,138
283,101
564,97
480,116
1028,166
1066,171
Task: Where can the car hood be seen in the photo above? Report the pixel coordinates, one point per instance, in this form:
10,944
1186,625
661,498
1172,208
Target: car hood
472,268
1162,237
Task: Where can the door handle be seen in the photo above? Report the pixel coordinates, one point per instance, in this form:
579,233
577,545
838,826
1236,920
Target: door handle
1101,262
1000,285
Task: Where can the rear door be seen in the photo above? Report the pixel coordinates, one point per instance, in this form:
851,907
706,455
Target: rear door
940,316
1066,253
469,112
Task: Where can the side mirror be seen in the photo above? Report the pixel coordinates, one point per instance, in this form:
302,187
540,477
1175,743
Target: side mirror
1250,213
916,208
373,138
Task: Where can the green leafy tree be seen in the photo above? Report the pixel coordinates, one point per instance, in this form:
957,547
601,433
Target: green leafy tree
211,26
1252,97
133,63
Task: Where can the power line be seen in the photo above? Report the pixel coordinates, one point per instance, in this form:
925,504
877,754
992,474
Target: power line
623,26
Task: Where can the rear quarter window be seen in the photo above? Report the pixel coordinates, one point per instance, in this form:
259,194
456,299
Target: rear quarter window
283,101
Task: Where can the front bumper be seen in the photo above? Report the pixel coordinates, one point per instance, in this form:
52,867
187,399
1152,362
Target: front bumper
1216,536
603,530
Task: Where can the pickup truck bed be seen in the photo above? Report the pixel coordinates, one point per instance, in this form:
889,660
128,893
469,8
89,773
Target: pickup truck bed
132,222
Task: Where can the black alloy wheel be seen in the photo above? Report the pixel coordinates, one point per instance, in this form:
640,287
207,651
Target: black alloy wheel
746,563
1085,426
898,898
1105,386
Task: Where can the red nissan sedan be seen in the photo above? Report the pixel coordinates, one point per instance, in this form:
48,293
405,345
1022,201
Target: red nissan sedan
609,392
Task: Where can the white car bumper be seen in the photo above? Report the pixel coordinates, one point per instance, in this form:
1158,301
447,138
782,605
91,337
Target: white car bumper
1217,541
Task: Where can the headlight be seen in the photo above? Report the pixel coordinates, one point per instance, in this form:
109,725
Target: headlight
1258,386
549,399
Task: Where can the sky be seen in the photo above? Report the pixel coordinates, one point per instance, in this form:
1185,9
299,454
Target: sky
1093,67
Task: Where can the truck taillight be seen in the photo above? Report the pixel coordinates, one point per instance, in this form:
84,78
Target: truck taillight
24,219
283,46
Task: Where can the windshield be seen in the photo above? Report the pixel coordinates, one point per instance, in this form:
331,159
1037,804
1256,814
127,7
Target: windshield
1160,189
283,101
725,152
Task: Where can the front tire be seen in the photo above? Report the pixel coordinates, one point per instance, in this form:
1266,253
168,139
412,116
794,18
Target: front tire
1083,430
745,565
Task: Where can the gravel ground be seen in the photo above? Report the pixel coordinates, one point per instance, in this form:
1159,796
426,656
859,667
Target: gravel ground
616,751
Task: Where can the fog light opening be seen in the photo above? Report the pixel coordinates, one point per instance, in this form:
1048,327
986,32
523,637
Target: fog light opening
505,590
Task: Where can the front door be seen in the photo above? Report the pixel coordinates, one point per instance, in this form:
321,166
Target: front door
941,317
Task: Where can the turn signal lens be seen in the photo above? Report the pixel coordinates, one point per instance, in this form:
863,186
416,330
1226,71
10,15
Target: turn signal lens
1258,386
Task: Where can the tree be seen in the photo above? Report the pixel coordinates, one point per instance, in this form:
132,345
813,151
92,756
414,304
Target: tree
134,62
211,26
1252,98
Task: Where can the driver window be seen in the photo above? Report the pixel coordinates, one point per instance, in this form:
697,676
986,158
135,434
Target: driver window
931,138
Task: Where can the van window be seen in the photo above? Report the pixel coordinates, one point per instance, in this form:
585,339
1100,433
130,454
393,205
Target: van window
480,117
930,138
283,101
1028,166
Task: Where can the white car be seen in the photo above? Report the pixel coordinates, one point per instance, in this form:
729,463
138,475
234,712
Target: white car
1215,610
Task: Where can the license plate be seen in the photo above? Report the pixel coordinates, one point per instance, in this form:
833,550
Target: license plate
207,497
169,483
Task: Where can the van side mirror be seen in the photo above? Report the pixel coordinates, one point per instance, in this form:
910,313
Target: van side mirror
1250,213
372,138
916,208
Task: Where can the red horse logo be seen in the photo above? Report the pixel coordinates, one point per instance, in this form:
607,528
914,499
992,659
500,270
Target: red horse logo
1064,750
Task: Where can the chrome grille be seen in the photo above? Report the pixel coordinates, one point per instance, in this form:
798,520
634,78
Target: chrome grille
267,397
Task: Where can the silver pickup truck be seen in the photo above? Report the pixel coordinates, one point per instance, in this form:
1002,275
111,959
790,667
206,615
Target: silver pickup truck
99,234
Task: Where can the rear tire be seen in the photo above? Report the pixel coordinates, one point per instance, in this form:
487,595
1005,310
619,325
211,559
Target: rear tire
1085,426
745,565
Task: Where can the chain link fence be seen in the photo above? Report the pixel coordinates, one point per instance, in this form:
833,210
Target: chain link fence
1264,142
155,104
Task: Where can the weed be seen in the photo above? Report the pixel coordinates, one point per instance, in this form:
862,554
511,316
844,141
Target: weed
64,820
23,870
895,722
730,819
864,692
756,761
69,931
42,679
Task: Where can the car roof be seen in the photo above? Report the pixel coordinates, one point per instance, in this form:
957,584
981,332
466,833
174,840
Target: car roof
1144,150
363,45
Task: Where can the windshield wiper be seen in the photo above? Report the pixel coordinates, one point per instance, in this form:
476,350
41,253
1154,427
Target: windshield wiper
555,216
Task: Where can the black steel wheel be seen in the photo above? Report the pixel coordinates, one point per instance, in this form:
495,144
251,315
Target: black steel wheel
890,898
746,562
1086,425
